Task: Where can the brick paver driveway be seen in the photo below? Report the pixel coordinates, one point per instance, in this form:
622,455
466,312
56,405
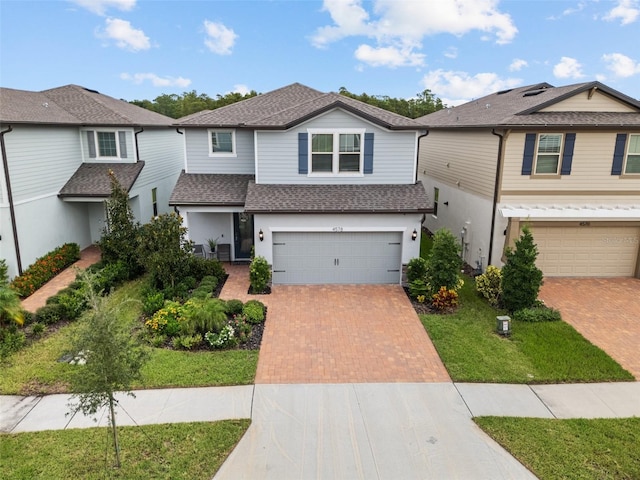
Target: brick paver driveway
340,334
606,311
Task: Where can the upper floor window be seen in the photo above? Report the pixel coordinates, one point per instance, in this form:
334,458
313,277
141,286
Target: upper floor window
107,144
548,153
632,161
337,152
222,143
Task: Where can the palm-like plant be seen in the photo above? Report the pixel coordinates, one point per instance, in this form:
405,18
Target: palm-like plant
11,310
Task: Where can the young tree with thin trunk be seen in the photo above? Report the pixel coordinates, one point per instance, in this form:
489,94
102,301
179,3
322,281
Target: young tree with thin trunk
113,359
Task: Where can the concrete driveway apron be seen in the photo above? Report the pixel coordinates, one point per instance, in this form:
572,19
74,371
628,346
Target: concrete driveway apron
606,311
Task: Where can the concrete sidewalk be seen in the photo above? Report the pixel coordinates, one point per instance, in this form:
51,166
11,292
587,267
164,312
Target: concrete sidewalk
386,430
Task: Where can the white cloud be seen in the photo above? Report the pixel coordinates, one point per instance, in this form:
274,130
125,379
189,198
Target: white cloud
568,68
455,88
241,89
627,11
220,39
402,25
99,7
388,56
156,80
451,52
621,65
517,65
125,35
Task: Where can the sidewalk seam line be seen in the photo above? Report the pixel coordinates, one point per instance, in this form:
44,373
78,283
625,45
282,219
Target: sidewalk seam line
542,401
455,385
364,424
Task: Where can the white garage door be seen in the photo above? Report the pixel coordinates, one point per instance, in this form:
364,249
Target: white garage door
589,251
344,257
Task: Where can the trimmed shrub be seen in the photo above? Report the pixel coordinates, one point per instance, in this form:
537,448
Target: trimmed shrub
444,262
416,269
73,303
50,314
488,285
152,302
259,274
521,279
234,306
11,340
537,314
254,311
418,288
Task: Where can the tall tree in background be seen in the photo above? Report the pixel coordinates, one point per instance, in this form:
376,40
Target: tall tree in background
424,103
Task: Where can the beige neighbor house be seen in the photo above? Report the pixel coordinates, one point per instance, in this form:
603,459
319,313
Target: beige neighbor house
564,160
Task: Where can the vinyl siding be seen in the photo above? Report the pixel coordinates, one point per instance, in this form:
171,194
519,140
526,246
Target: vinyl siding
393,157
199,161
581,102
465,160
590,171
41,159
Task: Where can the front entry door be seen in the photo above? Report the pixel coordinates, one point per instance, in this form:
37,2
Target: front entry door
243,235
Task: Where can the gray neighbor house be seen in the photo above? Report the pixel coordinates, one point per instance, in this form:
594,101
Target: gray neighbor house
57,148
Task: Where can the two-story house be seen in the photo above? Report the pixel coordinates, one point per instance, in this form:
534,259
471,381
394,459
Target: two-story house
564,160
321,185
58,146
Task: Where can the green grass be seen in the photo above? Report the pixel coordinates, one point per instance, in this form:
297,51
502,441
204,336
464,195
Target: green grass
546,352
184,450
36,370
570,449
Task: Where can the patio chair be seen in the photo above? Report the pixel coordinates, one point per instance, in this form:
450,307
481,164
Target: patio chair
224,252
198,250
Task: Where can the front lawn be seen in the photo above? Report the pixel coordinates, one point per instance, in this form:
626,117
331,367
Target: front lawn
36,369
183,450
573,449
541,352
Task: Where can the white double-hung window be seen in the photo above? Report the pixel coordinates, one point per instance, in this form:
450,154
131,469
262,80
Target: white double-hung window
336,153
632,162
548,154
107,144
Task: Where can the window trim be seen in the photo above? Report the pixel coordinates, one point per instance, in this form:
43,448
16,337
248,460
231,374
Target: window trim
534,167
436,200
96,144
232,153
626,156
335,161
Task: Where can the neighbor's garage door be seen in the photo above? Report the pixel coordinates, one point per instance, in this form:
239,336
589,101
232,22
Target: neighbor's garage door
589,251
345,257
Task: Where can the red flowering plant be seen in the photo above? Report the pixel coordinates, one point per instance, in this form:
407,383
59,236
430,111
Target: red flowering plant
45,268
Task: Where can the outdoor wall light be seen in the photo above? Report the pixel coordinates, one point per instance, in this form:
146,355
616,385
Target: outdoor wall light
261,235
414,235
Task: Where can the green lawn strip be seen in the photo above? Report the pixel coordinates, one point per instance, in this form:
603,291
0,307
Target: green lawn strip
570,449
183,450
547,352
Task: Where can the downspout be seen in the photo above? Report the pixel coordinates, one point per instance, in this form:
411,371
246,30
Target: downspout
135,137
5,164
418,154
496,189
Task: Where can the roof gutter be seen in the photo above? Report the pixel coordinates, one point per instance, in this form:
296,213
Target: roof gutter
5,164
496,188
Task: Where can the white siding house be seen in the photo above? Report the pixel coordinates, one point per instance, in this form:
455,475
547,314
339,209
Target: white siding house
57,147
321,185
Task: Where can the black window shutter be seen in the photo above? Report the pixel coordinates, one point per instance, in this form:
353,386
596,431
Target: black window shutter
567,155
303,153
529,149
122,138
368,152
618,154
91,142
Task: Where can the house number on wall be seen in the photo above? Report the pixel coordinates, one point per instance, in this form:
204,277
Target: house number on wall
337,229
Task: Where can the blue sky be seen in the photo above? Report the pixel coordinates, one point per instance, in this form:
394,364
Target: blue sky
459,49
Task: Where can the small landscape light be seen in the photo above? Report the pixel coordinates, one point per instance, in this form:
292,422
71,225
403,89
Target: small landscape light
261,235
414,235
503,325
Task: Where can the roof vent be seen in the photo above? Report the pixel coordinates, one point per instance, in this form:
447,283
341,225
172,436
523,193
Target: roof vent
92,91
502,92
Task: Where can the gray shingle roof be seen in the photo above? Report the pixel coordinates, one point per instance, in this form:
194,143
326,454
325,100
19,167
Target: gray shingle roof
92,179
210,189
73,105
521,106
289,106
280,198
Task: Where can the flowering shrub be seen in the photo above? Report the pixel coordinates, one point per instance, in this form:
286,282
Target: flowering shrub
168,319
241,327
225,339
259,274
421,298
488,285
45,268
445,299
